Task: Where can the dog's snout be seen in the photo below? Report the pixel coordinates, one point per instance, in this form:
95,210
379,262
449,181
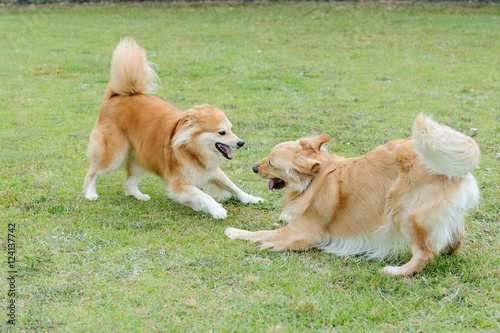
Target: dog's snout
240,143
255,169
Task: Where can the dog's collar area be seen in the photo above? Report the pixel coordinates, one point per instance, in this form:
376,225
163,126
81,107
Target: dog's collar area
225,150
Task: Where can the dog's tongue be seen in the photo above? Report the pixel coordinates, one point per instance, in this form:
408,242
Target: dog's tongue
228,151
270,186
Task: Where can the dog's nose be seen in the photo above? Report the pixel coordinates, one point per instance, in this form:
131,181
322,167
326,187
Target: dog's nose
254,168
240,143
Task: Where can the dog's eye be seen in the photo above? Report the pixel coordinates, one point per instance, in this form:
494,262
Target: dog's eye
270,164
222,133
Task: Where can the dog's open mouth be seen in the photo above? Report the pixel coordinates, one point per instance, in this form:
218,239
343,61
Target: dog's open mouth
276,184
225,150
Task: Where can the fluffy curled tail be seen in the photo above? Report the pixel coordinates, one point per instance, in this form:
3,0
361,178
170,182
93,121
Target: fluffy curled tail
131,72
443,150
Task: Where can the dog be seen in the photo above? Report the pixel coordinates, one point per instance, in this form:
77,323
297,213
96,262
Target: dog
414,191
145,133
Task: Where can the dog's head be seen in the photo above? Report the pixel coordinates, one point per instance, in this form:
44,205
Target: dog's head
207,129
294,163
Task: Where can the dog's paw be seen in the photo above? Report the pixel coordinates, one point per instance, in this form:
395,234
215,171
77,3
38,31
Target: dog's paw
137,194
143,197
234,233
393,270
219,213
247,198
91,196
256,200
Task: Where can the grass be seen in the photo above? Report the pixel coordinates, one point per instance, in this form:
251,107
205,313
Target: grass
360,73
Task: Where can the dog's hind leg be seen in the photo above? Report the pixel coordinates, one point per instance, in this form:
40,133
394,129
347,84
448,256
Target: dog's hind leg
105,156
135,172
91,183
95,171
416,236
452,247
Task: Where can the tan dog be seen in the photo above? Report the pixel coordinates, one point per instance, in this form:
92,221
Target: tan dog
416,190
146,133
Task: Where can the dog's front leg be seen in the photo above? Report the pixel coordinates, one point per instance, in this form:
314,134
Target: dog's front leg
287,238
276,240
195,198
226,184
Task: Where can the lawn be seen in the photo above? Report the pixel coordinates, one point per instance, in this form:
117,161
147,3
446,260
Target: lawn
360,73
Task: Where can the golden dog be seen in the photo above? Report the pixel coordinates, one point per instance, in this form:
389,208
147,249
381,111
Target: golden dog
415,190
146,133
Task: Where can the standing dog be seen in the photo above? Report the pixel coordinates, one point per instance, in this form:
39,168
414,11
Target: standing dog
415,190
146,133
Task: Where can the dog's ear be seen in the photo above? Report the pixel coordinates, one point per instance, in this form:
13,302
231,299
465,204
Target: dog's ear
188,119
183,130
314,143
308,166
199,113
191,114
302,171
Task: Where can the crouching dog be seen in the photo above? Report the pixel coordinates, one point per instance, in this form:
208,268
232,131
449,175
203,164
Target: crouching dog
414,191
145,133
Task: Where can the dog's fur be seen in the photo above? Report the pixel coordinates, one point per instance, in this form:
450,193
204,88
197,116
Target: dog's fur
146,133
415,190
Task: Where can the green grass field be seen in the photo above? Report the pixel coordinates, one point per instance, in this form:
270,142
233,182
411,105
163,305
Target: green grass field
360,73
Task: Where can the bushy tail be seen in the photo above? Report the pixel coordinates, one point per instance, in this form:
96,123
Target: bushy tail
131,72
443,150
